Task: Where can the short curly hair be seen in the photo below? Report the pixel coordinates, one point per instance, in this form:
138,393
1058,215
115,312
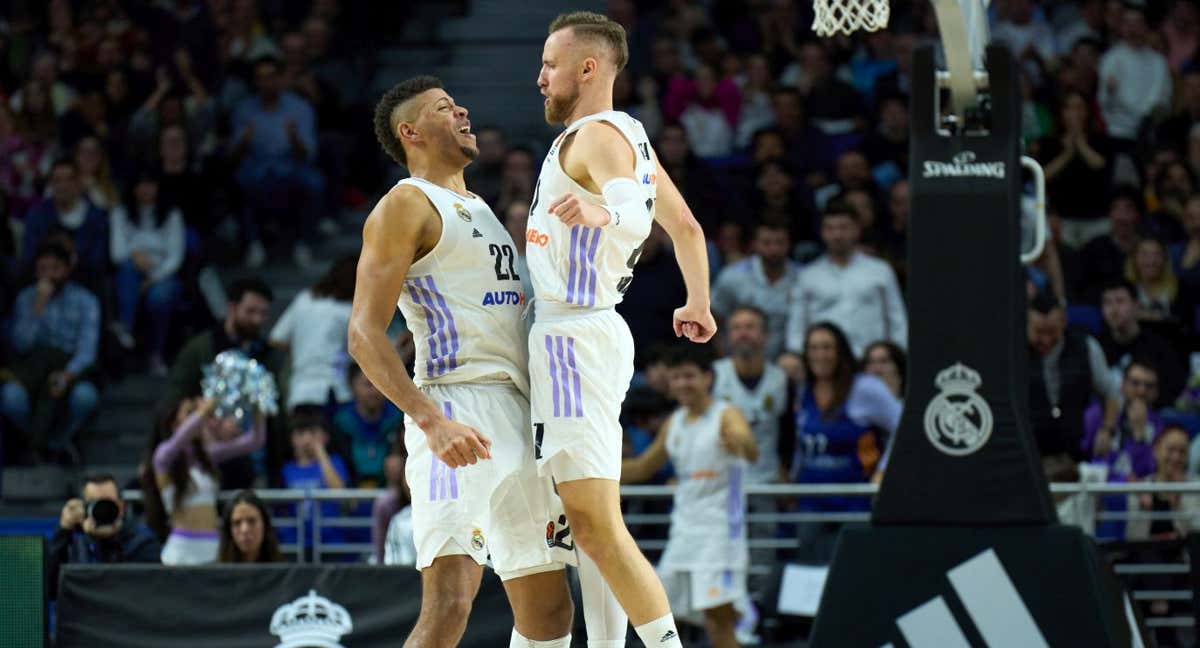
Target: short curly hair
385,111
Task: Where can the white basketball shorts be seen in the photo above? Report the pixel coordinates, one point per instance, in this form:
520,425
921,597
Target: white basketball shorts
579,370
692,592
500,506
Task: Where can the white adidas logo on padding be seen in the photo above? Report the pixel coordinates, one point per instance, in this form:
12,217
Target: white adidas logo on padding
991,600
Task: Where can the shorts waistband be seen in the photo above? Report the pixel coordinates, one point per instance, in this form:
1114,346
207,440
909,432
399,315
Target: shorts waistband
497,385
546,311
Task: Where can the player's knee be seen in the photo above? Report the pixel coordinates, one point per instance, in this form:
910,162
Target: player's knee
721,617
450,606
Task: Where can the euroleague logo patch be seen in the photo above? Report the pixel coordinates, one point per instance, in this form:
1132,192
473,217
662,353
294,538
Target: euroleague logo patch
559,538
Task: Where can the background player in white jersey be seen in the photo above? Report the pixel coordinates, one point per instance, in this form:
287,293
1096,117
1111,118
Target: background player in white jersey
599,189
439,253
709,442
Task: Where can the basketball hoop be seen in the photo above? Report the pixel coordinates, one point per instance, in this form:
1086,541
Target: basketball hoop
833,17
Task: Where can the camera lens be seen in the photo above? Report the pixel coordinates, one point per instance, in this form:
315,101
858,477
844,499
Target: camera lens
103,511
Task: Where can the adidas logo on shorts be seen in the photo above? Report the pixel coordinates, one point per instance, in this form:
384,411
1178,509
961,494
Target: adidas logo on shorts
667,637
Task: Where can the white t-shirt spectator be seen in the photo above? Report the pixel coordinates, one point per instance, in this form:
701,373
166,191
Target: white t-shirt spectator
1133,82
314,329
164,243
709,133
399,548
745,284
862,298
1034,34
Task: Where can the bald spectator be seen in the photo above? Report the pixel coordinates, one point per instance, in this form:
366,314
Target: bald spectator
763,281
856,292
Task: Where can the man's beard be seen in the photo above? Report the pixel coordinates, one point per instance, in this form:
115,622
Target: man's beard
745,350
558,109
246,332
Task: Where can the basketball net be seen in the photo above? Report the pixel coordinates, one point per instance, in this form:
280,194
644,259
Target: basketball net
833,17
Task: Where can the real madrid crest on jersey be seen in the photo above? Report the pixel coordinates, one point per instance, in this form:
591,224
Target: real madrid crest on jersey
462,212
958,421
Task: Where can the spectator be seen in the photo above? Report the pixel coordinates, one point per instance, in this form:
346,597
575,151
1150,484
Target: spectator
180,184
756,112
762,281
810,152
68,209
1170,465
832,104
44,72
148,246
36,118
92,530
95,173
777,197
313,468
369,426
1181,34
195,112
483,175
247,534
182,480
857,293
1088,26
274,149
1135,79
644,411
1172,186
1125,447
894,231
516,181
640,101
694,179
708,110
399,547
55,328
1174,130
888,362
1124,338
1026,34
844,419
758,388
313,330
1067,369
1076,163
1102,259
20,158
1185,256
249,300
1149,270
886,148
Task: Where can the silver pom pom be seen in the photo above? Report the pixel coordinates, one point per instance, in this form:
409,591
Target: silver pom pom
239,385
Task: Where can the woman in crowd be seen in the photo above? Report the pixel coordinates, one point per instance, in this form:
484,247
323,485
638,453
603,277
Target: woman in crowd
95,173
147,244
1076,161
843,422
391,514
1149,269
313,329
188,444
247,534
887,361
1185,256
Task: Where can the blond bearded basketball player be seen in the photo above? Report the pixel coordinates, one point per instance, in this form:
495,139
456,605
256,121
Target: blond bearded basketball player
438,252
599,192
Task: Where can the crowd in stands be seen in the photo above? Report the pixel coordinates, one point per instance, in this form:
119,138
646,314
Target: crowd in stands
143,140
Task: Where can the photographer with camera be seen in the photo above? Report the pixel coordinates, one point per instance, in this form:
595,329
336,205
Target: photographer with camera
92,530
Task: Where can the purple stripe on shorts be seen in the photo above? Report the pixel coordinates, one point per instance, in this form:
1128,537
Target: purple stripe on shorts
439,327
434,462
574,376
736,506
566,378
195,534
441,301
553,372
433,354
591,262
449,412
571,267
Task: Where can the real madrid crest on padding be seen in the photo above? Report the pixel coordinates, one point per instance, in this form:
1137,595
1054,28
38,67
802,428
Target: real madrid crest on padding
462,212
958,421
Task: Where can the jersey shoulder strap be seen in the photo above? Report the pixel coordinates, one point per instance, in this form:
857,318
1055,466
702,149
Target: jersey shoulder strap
623,122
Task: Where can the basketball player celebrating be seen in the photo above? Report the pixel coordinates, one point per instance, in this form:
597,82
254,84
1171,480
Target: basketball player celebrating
600,189
709,442
439,252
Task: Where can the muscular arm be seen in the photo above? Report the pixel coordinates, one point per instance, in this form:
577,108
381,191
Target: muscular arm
691,254
401,226
736,437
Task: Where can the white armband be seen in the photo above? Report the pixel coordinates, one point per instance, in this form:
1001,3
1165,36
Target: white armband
628,206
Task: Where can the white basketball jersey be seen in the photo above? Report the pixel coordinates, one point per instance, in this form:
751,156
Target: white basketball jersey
585,267
762,407
708,498
463,301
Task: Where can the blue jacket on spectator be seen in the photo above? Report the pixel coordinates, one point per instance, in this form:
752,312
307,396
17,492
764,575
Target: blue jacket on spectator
91,237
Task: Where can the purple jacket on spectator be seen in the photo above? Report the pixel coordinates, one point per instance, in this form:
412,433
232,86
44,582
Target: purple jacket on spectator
1131,458
91,236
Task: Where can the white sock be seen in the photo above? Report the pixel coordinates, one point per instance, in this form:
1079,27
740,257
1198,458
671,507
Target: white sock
518,641
660,633
606,622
